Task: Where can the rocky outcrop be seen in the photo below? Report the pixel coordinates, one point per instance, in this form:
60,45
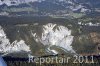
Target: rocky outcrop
6,47
95,37
55,35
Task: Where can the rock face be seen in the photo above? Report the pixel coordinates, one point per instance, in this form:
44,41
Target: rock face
95,37
6,47
55,35
46,39
48,35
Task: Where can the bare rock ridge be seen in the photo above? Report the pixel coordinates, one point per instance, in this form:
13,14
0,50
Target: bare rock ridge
6,47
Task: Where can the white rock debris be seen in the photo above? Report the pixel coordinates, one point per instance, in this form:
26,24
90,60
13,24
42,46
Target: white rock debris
57,35
89,24
7,47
